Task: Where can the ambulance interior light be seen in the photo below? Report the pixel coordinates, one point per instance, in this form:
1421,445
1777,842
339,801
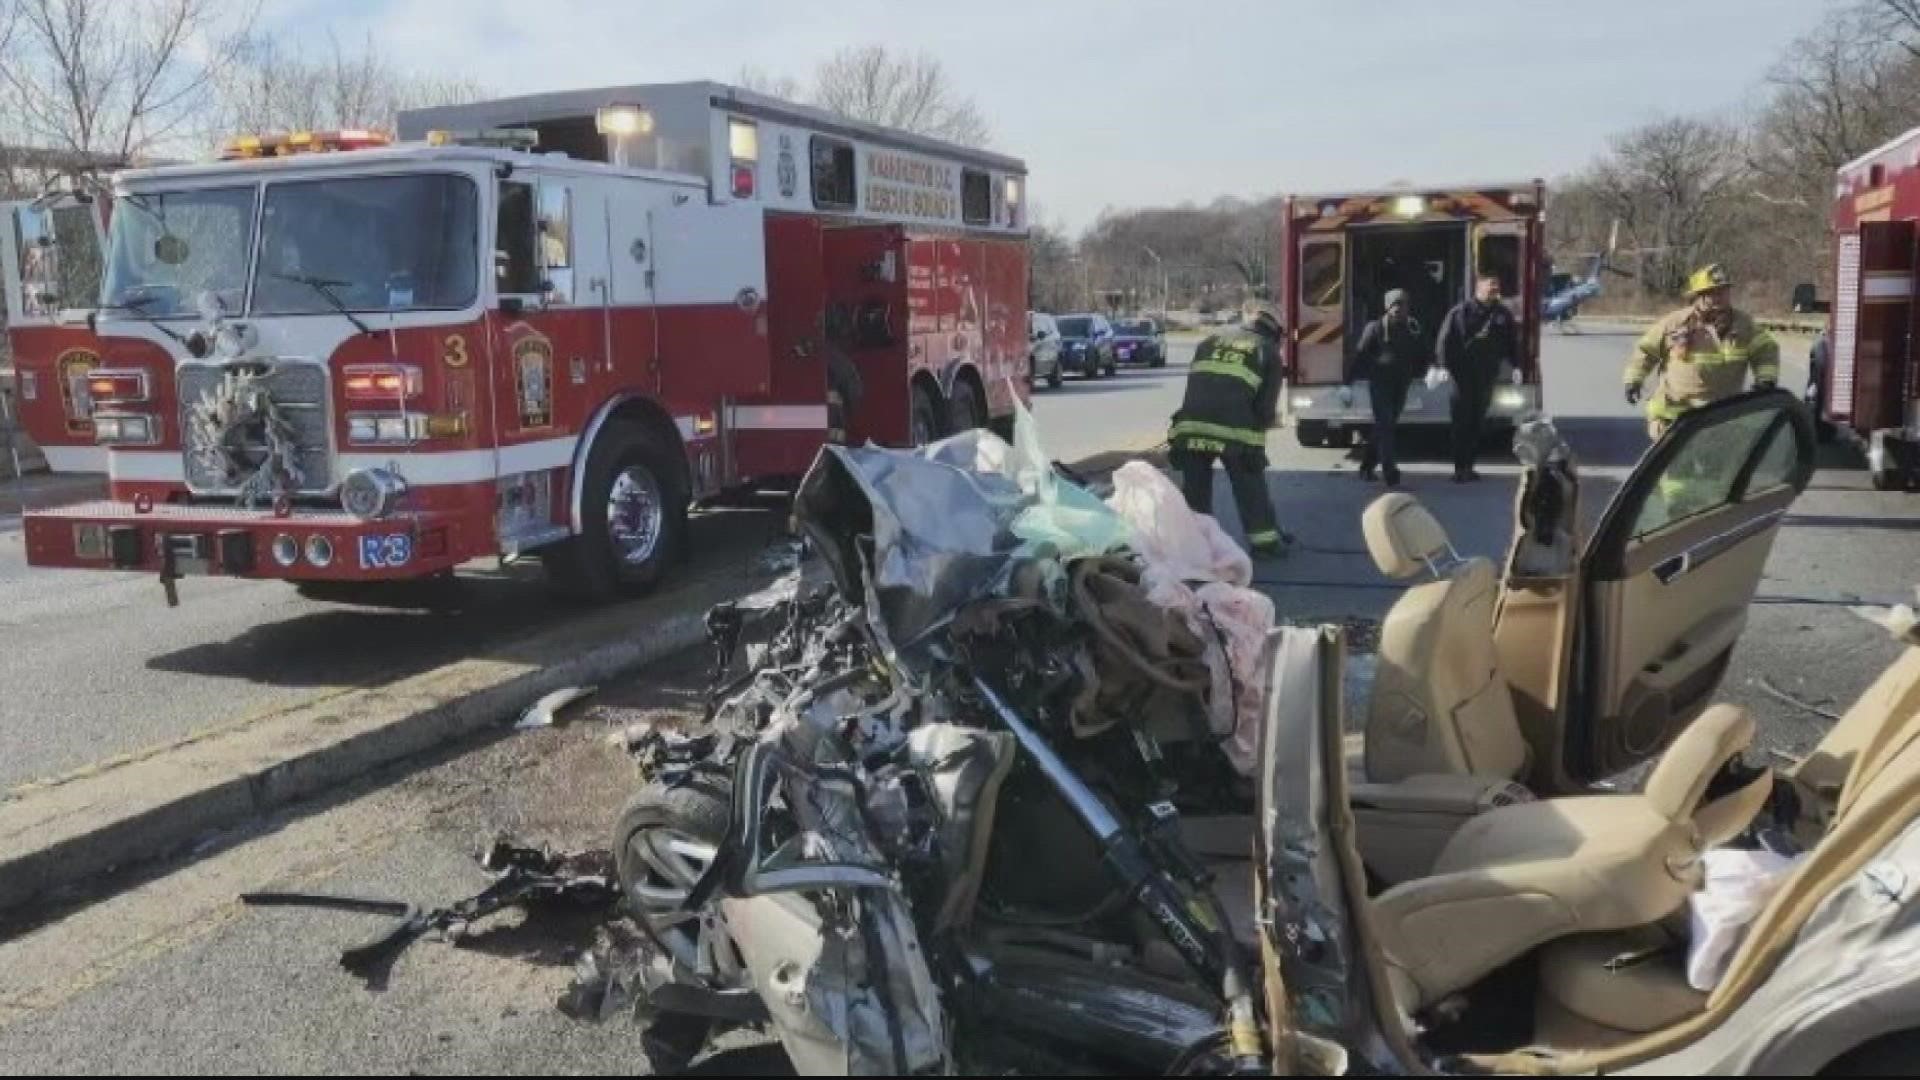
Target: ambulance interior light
623,120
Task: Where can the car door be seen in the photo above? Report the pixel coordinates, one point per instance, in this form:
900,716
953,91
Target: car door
1670,571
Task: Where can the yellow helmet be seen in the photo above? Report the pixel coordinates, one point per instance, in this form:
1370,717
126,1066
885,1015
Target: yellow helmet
1708,278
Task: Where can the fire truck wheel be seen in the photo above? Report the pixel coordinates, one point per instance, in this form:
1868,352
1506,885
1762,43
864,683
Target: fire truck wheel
965,409
633,517
925,419
1312,433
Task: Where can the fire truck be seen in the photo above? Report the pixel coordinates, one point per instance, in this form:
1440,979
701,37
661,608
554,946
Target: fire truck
539,325
1871,386
1341,253
50,252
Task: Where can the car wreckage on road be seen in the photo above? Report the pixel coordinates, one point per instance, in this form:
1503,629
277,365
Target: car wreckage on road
968,804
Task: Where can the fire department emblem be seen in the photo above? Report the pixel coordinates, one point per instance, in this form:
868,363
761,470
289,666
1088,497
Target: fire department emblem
533,380
71,369
788,170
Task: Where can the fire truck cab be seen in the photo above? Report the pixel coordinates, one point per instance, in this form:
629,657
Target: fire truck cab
1341,253
1871,386
545,325
50,260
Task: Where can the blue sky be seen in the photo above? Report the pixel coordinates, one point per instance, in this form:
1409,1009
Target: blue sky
1121,104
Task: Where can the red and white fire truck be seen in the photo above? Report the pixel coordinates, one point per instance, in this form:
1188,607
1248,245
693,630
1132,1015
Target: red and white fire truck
542,325
49,273
1871,386
1341,253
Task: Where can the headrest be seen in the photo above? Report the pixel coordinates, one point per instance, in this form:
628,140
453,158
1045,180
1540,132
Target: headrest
1718,736
1402,535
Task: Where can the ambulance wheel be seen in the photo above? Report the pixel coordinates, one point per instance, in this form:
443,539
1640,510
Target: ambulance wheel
925,419
1312,433
965,409
633,517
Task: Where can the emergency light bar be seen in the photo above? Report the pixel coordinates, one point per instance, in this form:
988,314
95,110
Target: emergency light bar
302,142
497,138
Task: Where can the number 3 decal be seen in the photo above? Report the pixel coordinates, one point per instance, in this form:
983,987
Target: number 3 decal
456,351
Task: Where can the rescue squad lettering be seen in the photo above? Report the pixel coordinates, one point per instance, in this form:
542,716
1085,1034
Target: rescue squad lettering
901,185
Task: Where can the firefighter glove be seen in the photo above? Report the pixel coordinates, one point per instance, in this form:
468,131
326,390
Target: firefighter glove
1633,394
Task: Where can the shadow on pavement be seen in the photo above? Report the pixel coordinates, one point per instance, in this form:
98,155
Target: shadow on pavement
1597,441
428,625
1842,521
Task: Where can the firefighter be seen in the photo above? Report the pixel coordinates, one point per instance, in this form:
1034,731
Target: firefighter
1478,340
1701,353
1393,352
1233,388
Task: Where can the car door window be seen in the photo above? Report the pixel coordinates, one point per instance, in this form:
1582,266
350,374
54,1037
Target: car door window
1702,476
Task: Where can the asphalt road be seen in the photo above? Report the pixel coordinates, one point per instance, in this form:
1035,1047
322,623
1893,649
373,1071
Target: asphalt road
94,665
172,975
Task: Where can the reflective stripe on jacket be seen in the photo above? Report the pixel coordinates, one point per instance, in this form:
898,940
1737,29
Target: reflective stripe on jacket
1232,391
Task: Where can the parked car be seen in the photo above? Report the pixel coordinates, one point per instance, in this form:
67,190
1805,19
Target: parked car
1086,345
1043,349
1140,341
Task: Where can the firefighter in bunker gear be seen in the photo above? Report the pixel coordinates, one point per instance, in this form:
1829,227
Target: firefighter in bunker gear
1233,388
1701,353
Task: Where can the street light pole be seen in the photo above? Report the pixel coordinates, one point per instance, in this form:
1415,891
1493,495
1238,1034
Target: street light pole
1166,299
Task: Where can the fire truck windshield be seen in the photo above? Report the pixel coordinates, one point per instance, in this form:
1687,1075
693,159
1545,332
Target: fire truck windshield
383,243
167,248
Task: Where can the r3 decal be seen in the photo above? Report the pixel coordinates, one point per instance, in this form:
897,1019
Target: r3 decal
385,552
455,353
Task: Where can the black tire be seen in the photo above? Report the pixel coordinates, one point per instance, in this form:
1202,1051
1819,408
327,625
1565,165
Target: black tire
654,857
1885,480
923,422
651,470
1311,433
966,407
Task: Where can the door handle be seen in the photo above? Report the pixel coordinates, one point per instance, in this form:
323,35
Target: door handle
1673,568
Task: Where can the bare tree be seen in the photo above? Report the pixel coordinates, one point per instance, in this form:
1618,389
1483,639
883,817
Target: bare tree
761,81
909,92
107,76
269,88
1678,188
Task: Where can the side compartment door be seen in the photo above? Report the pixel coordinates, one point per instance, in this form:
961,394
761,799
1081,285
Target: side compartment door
1883,340
1671,570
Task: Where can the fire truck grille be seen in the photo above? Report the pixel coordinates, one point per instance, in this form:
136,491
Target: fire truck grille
299,391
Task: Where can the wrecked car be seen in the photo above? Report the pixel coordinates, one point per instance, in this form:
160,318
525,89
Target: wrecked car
985,797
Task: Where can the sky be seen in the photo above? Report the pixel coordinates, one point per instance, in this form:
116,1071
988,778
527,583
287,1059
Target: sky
1124,103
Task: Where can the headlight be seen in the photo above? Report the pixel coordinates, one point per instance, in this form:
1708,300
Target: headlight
1302,401
319,551
385,428
286,550
371,493
1510,398
130,430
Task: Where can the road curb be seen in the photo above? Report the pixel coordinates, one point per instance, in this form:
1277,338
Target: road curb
59,833
139,808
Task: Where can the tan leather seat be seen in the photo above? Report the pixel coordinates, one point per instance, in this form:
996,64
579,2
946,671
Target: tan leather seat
1439,703
1517,877
1600,990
